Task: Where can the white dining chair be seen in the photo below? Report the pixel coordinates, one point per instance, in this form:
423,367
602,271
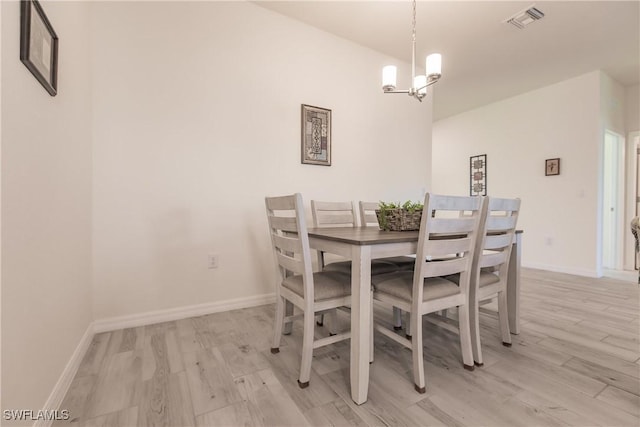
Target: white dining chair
313,293
424,290
490,267
368,218
340,214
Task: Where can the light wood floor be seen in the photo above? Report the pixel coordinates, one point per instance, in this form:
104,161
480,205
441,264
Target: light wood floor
576,362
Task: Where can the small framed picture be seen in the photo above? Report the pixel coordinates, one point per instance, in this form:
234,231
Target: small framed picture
478,175
552,167
316,135
39,45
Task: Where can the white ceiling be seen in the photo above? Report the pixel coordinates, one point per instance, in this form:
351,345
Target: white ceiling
484,59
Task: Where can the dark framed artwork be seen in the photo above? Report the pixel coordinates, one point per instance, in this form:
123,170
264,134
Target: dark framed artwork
478,175
39,45
316,135
552,167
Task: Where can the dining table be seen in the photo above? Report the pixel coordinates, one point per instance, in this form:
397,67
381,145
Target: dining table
361,245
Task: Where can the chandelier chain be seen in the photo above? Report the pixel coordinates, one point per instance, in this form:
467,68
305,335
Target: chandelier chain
413,23
413,45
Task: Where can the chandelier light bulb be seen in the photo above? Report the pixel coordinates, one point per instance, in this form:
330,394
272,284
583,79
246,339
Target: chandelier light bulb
389,74
434,65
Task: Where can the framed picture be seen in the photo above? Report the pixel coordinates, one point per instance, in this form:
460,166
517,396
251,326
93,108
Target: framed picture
316,135
478,175
552,167
39,45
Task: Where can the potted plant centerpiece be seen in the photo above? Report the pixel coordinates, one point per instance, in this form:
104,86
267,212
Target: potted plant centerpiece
399,217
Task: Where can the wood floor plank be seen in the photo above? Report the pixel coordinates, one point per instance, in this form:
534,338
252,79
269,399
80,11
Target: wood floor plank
166,401
595,345
594,356
630,343
243,359
165,397
124,417
129,339
94,357
210,381
624,330
335,413
75,401
562,395
286,367
605,375
174,356
267,395
432,414
117,384
236,414
554,409
378,410
621,399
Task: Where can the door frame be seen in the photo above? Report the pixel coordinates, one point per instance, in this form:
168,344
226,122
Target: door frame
631,193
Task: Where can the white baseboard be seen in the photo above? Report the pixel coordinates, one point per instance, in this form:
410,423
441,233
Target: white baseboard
157,316
64,382
559,269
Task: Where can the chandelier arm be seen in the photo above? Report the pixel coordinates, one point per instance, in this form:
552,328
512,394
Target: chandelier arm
399,91
432,80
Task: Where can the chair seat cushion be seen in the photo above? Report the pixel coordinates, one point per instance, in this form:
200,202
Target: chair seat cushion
327,285
400,285
486,278
377,267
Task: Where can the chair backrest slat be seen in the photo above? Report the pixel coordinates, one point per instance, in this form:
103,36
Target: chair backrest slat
283,223
444,267
368,216
291,264
287,243
333,214
505,205
452,225
439,248
501,223
493,259
497,241
282,203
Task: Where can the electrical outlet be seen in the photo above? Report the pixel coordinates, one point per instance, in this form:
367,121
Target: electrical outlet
213,261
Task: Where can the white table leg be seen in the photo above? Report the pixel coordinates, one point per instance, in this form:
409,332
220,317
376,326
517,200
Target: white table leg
513,285
360,322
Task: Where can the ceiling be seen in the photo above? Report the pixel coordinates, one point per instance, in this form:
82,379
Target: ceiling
484,59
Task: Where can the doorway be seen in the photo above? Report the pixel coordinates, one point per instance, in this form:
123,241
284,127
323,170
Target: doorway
613,202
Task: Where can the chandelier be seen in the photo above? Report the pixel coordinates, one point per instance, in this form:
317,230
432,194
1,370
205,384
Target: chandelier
419,83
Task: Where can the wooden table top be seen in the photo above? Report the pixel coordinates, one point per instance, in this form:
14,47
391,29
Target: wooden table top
365,235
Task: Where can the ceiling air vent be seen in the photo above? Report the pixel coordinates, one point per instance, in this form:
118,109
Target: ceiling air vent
524,18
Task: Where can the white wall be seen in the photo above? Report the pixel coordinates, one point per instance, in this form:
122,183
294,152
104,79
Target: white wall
559,213
46,208
197,119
